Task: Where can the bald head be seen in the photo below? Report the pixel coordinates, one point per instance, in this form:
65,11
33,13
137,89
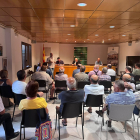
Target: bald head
71,83
96,67
76,59
61,69
98,59
126,78
94,79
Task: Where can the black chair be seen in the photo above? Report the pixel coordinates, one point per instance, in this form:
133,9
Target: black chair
59,84
57,72
42,84
113,78
18,98
137,79
70,110
30,118
81,84
106,84
87,72
93,101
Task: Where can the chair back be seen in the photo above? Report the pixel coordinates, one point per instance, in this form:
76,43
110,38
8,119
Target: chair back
30,117
42,83
71,110
106,84
57,72
113,78
6,91
94,100
81,84
87,72
60,84
19,97
121,112
137,78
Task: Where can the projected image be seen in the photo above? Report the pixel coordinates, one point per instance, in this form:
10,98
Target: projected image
81,54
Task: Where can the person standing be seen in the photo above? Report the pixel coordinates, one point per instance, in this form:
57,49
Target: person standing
98,62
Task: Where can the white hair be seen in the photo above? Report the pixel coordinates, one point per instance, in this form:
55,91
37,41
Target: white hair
61,70
71,84
96,67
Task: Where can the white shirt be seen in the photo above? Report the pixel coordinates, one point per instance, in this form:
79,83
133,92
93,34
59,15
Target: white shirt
50,65
18,87
1,105
111,72
93,89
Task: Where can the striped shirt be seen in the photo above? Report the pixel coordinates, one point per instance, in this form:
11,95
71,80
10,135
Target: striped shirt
104,77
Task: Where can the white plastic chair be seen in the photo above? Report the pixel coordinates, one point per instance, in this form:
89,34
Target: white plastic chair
122,113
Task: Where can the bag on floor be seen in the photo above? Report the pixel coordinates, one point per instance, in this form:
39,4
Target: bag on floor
44,128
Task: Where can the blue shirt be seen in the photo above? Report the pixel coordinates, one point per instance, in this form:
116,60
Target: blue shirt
121,98
75,71
49,72
71,96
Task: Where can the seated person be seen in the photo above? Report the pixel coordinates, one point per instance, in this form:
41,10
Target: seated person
4,81
42,75
77,70
94,88
137,103
32,101
19,86
5,119
59,61
81,76
127,78
95,71
70,96
39,66
118,97
104,76
110,71
98,62
49,72
61,76
76,62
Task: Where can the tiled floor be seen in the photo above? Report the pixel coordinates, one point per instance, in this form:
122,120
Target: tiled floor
92,127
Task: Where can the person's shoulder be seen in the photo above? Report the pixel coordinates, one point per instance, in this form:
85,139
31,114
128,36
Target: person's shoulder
41,99
80,91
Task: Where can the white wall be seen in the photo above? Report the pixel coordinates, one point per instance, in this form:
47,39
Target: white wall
126,50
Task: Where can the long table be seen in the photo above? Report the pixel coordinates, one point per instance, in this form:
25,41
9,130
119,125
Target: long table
69,69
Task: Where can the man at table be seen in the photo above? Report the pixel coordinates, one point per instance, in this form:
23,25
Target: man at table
59,61
98,62
76,62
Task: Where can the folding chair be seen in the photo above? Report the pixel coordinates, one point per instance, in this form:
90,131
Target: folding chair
81,84
106,84
113,78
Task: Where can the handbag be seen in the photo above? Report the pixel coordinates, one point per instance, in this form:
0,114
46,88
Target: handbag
44,128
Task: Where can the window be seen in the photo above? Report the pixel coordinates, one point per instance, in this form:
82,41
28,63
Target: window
26,55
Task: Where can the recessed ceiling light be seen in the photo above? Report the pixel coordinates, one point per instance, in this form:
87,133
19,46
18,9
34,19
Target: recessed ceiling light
103,41
66,39
72,25
82,4
109,39
112,26
123,35
84,41
68,34
93,41
87,39
56,41
96,35
75,41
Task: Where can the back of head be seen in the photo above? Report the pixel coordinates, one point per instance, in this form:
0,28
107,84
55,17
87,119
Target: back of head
126,78
21,75
71,83
119,84
39,64
96,67
82,68
61,69
109,66
94,79
43,68
128,68
137,65
104,70
78,66
4,74
32,89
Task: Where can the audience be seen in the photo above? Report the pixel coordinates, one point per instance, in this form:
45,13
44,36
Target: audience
81,76
39,66
42,75
95,71
127,78
93,89
61,76
77,70
5,119
118,97
32,101
4,81
19,86
70,96
104,76
110,71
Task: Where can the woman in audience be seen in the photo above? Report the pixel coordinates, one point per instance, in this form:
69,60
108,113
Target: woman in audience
4,81
32,101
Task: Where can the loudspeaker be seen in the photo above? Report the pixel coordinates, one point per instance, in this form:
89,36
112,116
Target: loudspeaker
129,43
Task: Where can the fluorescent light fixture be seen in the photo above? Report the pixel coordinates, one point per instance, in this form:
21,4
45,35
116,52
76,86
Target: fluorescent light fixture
123,35
68,34
66,39
96,35
112,26
82,4
72,25
109,39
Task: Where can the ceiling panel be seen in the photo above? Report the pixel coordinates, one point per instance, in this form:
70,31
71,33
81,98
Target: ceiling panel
7,18
27,19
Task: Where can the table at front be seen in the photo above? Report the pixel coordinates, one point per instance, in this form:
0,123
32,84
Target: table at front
69,69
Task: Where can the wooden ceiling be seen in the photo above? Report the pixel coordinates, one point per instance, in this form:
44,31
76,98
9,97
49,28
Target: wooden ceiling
50,20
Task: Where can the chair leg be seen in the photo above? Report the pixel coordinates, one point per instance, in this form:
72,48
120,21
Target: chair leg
20,132
56,121
82,127
76,121
83,115
59,127
24,132
125,126
13,112
133,129
138,126
134,116
107,131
